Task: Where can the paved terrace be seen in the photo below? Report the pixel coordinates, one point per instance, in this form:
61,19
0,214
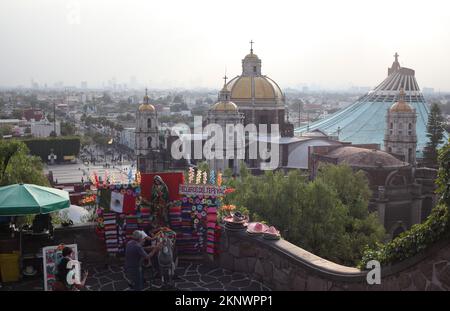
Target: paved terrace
189,277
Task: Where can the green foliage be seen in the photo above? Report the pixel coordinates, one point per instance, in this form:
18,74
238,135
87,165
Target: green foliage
97,138
327,216
411,242
17,166
443,180
435,134
421,236
5,130
67,129
62,146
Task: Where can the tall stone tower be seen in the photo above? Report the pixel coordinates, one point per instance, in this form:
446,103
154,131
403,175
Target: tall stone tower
147,137
400,133
224,113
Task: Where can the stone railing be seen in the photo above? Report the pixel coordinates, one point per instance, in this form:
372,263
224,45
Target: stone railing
281,265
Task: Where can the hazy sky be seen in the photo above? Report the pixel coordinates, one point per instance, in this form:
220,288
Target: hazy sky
190,43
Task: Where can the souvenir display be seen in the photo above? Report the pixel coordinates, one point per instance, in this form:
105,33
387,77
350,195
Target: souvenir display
271,234
155,203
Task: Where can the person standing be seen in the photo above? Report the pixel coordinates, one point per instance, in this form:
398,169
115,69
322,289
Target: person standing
134,255
61,283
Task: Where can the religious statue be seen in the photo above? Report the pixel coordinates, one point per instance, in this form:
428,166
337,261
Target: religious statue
159,200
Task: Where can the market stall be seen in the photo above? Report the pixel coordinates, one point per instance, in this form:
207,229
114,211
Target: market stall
21,200
153,201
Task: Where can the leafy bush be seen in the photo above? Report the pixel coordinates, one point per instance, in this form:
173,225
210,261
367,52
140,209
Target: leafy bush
411,242
327,216
421,236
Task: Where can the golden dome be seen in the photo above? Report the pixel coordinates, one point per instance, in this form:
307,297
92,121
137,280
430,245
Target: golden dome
265,88
401,105
225,106
147,107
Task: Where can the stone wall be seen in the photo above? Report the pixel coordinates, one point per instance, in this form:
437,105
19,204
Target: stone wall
281,265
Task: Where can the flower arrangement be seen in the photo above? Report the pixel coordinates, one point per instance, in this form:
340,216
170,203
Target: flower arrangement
228,208
88,200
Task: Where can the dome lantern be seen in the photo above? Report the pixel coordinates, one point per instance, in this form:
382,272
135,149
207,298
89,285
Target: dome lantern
401,105
146,106
251,64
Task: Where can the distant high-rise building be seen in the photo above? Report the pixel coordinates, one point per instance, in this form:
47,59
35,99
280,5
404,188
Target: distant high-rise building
84,85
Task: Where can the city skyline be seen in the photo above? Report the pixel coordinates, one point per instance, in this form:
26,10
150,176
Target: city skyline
321,43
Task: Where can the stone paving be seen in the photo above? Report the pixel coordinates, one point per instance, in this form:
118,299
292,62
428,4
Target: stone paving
189,277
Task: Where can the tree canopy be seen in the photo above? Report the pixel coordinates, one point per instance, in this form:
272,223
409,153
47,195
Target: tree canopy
18,166
435,134
328,216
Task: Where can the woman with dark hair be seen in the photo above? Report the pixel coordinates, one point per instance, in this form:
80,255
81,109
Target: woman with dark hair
61,283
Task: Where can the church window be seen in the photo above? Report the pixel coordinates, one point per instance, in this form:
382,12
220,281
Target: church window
390,150
254,68
149,142
391,126
409,155
149,123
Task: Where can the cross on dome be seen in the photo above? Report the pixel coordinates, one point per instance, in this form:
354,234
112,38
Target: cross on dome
396,56
146,96
251,46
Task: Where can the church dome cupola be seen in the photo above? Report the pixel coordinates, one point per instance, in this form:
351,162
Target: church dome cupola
401,105
146,106
224,104
251,64
225,93
400,132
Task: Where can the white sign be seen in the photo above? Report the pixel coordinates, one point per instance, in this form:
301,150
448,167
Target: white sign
191,189
51,257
